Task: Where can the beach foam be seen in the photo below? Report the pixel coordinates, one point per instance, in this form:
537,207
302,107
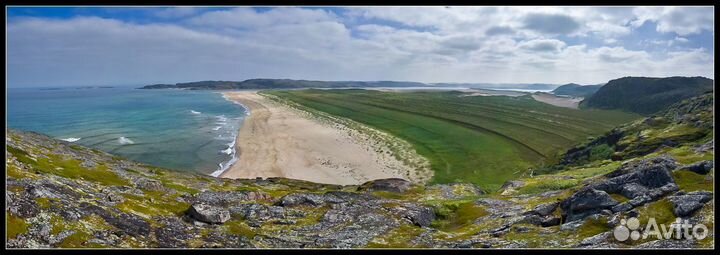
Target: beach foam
71,139
124,140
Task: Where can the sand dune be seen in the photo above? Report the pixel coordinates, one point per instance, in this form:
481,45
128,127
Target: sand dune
279,141
568,102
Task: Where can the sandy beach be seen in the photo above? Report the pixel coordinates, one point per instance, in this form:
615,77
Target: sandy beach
568,102
279,141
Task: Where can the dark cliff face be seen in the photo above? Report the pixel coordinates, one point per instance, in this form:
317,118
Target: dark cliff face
63,195
647,95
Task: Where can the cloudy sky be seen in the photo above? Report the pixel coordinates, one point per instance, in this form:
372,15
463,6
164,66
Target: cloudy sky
128,46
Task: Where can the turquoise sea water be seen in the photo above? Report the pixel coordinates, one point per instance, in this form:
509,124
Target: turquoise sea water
177,129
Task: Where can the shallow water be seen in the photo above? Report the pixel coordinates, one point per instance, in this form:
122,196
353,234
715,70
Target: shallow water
178,129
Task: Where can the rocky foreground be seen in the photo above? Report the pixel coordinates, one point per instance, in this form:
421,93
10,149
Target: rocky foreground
64,195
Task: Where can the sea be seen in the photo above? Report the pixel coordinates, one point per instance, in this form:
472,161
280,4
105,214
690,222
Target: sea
184,130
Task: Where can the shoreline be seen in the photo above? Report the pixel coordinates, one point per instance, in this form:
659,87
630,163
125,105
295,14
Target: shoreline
226,165
276,140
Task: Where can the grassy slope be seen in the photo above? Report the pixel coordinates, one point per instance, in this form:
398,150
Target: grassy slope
483,140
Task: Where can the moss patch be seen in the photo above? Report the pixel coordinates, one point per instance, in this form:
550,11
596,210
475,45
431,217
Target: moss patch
661,210
620,198
154,203
56,165
238,227
15,225
396,238
593,227
544,184
454,215
690,181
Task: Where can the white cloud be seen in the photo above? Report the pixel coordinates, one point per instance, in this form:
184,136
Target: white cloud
680,20
453,45
248,18
543,45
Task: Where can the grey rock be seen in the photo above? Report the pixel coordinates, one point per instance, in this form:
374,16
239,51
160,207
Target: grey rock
705,147
633,190
668,243
624,207
686,204
309,199
549,222
225,198
396,185
702,167
586,202
258,212
596,240
636,178
530,219
173,234
544,209
571,226
209,214
149,184
418,215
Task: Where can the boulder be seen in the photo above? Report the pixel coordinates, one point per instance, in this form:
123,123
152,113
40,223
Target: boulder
702,167
149,184
549,222
396,185
586,202
663,162
686,204
419,215
209,214
544,209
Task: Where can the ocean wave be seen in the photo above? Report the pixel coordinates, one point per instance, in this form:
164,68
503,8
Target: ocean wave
224,166
194,112
124,140
217,128
71,139
221,118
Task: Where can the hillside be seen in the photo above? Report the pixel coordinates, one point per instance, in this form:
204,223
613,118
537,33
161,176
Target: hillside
280,84
646,95
576,90
63,195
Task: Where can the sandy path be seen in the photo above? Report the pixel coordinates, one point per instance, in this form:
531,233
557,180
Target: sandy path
567,102
278,141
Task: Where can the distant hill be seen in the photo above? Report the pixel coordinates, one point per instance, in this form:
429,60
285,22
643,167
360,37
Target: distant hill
281,84
526,86
576,90
646,95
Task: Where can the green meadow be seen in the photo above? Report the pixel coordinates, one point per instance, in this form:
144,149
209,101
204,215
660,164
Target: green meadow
485,140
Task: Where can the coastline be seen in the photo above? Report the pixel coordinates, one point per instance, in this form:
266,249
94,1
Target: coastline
276,140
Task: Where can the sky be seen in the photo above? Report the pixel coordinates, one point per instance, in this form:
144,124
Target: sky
64,46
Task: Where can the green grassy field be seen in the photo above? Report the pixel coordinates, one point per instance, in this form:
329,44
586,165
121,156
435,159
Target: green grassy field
483,140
